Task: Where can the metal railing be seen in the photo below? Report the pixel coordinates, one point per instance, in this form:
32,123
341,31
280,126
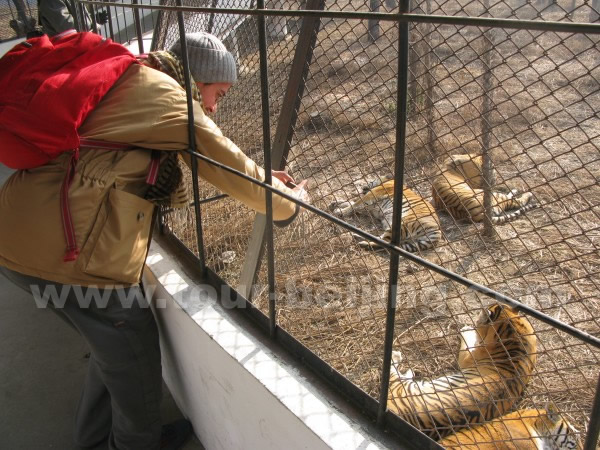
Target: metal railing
352,106
18,17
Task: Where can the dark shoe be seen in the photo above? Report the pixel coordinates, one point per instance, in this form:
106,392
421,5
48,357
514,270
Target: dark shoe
175,434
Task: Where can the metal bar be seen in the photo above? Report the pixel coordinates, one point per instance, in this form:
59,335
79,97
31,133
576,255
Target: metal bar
110,25
119,23
539,25
191,136
80,23
138,28
158,28
283,134
486,131
373,25
264,90
591,440
566,328
202,202
401,111
93,18
211,20
212,199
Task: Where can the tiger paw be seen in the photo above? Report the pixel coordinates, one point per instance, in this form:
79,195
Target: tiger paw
338,207
397,357
395,366
468,337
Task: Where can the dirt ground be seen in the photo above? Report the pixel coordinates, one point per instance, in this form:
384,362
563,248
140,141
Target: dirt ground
543,132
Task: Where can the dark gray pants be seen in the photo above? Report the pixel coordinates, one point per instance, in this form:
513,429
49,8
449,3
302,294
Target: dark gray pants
122,391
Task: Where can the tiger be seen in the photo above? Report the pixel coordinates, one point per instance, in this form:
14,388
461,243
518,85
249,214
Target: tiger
420,227
458,189
495,359
524,429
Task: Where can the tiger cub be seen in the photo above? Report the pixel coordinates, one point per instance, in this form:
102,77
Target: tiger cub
420,228
496,359
458,189
526,429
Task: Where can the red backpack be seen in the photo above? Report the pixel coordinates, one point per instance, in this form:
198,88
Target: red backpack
48,86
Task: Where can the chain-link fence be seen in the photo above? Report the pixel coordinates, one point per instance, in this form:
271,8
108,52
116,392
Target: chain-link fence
501,166
17,17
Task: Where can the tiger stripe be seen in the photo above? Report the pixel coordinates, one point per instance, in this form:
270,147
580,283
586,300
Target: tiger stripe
458,190
420,228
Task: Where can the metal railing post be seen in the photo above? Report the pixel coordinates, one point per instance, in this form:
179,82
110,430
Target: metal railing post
80,22
283,135
486,132
138,26
591,440
264,89
373,25
191,136
402,102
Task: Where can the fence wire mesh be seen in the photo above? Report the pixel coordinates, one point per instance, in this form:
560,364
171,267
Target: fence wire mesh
524,102
16,18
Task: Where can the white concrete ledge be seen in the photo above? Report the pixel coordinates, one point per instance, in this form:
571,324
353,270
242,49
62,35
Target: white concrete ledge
237,393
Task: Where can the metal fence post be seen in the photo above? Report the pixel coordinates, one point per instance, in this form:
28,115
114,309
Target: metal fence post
402,101
591,440
191,136
138,27
373,23
283,135
486,132
264,85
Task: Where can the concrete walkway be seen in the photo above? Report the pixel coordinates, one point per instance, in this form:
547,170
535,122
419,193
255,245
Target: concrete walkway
42,368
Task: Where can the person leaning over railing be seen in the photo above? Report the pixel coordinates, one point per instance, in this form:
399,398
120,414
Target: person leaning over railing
111,208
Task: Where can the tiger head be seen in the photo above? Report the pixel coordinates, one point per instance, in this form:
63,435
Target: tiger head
501,329
469,166
554,430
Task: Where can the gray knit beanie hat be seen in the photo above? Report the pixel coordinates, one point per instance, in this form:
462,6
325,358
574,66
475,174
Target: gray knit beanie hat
209,59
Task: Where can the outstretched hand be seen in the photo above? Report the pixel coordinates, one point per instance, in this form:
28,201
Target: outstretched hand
283,176
300,191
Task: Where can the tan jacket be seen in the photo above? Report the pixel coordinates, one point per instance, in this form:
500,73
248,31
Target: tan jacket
147,109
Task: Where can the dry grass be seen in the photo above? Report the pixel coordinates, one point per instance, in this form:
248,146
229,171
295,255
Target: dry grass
545,137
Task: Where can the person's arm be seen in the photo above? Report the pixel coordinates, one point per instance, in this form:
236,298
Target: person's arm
148,109
210,142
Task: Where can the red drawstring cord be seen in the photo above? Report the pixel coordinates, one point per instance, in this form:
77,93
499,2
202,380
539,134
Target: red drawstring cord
72,251
68,228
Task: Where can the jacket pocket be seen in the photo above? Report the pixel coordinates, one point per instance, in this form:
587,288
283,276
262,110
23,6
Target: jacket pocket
116,248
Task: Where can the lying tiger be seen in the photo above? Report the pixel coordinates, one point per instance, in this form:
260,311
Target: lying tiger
496,359
458,190
420,228
525,429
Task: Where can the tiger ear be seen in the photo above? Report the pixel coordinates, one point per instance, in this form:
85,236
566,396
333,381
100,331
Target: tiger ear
552,411
494,310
